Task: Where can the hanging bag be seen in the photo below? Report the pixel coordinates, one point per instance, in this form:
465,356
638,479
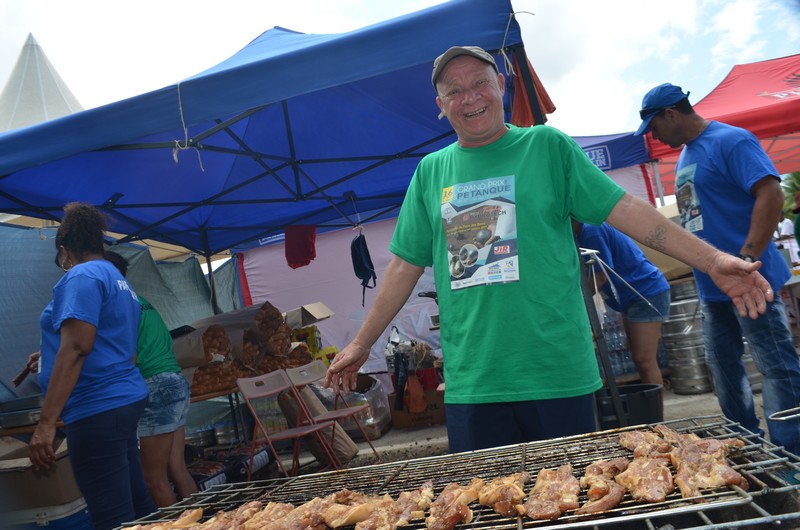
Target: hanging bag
362,264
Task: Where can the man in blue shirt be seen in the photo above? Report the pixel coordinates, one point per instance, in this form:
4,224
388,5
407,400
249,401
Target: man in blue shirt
730,195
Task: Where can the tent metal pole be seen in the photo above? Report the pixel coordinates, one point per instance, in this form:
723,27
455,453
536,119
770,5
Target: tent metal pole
527,79
659,187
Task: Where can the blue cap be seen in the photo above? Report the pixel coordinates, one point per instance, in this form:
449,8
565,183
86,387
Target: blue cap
659,98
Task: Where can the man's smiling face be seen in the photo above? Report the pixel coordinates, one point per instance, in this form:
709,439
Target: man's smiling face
470,94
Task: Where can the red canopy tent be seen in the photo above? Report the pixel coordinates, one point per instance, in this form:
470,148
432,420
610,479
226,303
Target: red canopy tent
762,97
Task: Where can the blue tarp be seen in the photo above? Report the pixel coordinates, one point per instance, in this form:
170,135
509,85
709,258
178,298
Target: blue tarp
179,291
293,129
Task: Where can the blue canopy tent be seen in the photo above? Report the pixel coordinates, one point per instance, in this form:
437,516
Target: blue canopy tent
614,151
323,130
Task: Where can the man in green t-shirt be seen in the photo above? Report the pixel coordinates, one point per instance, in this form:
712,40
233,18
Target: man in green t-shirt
491,214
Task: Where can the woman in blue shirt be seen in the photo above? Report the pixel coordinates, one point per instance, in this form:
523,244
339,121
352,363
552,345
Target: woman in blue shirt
644,302
87,374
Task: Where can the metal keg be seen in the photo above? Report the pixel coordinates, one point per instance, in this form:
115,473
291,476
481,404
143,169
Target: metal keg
682,337
683,289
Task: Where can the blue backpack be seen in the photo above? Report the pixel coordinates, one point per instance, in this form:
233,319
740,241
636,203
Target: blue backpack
362,264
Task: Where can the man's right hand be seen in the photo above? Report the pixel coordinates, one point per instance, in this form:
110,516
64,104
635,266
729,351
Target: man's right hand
343,371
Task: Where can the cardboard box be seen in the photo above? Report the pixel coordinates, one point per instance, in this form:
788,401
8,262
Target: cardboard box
189,350
670,267
433,415
307,314
207,473
23,488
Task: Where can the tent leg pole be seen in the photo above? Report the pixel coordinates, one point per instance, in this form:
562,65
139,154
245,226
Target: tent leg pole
659,187
602,348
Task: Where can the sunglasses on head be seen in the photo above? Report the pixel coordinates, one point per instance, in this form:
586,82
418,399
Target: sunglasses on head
644,113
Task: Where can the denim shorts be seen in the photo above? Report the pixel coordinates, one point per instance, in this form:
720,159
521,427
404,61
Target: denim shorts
640,311
167,404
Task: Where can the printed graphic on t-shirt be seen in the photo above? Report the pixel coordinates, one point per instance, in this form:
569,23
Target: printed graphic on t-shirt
688,202
480,225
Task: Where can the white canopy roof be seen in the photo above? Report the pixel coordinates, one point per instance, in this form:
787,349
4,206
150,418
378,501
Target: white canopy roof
34,92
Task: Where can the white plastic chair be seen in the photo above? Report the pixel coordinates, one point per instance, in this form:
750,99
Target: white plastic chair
315,371
273,384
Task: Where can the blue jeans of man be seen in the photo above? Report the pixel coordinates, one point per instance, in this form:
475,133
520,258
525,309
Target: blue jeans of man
774,356
104,453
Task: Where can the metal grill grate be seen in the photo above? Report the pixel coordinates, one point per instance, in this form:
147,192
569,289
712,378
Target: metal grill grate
773,496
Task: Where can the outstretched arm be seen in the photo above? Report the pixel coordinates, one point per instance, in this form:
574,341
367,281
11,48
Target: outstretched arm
739,279
398,282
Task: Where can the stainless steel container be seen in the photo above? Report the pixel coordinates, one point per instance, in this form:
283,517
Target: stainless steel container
225,433
682,337
203,438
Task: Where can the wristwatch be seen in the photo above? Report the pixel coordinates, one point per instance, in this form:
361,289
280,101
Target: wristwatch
747,257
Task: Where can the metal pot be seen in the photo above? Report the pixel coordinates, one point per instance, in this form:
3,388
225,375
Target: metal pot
225,433
201,438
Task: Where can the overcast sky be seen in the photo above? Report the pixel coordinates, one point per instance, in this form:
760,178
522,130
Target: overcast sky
595,58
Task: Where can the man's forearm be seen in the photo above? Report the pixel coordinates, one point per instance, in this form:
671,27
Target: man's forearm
765,216
645,224
399,281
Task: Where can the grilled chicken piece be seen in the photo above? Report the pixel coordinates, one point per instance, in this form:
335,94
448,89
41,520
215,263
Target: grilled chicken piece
503,494
648,479
555,492
450,507
603,491
412,505
308,516
645,444
230,519
338,515
188,518
388,514
709,444
383,515
700,462
271,512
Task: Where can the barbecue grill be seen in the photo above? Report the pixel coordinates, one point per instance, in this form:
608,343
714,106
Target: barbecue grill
773,499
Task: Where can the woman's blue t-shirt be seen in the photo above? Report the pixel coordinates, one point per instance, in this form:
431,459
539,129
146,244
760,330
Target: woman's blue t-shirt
96,293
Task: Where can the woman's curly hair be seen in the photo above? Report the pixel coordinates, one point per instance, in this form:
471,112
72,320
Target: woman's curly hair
81,229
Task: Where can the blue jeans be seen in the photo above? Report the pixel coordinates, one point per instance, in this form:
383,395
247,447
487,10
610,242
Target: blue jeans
472,427
775,357
104,453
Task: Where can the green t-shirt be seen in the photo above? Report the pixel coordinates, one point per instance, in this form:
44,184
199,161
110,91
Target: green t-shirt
494,222
154,346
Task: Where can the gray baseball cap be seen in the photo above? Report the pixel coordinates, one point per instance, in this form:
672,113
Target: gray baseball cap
455,51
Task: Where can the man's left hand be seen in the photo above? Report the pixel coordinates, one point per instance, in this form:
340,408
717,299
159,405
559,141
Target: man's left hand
742,282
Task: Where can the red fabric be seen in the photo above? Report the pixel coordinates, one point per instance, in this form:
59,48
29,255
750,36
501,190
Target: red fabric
247,298
427,377
762,97
299,241
521,111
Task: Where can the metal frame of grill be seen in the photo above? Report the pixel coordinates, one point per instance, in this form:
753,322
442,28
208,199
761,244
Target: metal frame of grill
773,497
